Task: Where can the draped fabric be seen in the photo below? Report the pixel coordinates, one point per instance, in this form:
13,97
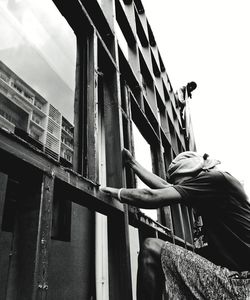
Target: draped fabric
190,163
190,276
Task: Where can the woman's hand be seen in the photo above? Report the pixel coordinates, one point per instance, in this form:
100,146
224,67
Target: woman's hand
127,156
113,192
106,190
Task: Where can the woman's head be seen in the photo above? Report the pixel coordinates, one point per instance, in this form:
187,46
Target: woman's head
189,164
191,86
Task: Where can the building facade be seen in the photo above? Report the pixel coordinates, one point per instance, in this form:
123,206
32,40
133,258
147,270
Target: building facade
22,108
104,87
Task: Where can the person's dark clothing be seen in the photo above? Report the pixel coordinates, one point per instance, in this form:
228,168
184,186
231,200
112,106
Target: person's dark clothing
225,210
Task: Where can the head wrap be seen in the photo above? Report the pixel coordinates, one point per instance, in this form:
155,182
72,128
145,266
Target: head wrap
190,164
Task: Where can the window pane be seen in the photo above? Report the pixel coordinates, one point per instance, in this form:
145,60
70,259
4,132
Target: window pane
143,156
37,75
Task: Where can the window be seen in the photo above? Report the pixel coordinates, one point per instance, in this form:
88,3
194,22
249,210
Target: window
37,63
143,156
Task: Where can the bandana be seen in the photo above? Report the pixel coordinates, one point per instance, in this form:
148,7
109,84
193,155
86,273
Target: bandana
190,163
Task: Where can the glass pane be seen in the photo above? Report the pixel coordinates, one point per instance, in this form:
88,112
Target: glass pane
37,75
143,156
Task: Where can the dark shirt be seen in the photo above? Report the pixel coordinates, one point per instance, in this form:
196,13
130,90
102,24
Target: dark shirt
221,201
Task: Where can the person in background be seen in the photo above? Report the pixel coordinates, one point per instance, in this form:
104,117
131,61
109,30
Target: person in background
221,270
182,95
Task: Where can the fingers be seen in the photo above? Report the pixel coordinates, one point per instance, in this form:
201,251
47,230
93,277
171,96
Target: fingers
126,155
113,192
105,189
125,152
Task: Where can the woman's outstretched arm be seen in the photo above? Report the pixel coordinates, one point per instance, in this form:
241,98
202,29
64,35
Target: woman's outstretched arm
145,198
151,180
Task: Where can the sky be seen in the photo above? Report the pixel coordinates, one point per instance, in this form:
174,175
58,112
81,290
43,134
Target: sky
208,42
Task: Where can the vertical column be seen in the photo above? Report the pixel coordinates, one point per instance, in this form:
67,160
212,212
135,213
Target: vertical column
92,108
133,49
43,239
118,238
167,215
178,221
5,239
119,254
79,158
101,227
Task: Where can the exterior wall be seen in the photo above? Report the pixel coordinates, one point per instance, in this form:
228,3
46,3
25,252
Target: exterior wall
60,237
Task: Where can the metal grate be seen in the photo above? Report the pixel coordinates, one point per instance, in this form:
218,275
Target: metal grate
53,128
52,143
54,114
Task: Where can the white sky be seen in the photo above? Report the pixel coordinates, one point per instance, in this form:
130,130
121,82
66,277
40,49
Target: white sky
208,42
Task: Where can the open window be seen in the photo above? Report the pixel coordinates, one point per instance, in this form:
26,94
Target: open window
143,156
